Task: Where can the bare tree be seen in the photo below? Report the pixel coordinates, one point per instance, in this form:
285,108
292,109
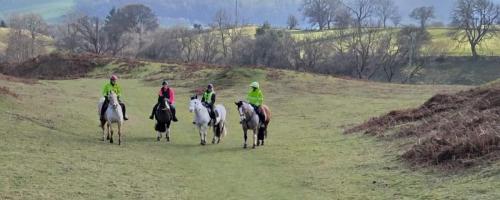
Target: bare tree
343,18
362,10
222,23
423,15
475,21
386,10
90,32
292,22
25,37
317,12
36,26
209,46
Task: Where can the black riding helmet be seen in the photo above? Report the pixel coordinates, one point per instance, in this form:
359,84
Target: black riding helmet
165,82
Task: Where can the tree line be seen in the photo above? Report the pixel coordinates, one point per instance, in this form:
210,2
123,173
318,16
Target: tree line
363,44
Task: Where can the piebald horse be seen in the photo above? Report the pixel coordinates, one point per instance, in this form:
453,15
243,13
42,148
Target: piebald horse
202,120
113,115
250,121
163,117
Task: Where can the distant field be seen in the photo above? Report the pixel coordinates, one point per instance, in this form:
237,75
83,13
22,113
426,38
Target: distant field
3,39
440,38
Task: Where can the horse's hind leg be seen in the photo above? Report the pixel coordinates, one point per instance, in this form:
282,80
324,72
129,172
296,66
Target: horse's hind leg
119,134
168,134
254,138
110,129
215,135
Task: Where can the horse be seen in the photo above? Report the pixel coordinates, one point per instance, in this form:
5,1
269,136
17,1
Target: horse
163,117
202,120
250,121
112,115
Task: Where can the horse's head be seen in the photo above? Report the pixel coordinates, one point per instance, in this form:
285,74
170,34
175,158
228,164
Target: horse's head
244,110
164,105
113,100
194,103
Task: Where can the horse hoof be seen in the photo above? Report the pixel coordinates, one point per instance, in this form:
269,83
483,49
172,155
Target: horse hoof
253,147
244,146
168,139
213,141
111,141
157,139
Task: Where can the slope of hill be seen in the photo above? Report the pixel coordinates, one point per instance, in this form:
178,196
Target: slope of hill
50,144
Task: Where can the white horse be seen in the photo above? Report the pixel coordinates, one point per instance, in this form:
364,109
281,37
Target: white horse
112,115
202,120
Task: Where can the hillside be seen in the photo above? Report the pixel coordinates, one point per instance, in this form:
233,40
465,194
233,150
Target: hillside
51,148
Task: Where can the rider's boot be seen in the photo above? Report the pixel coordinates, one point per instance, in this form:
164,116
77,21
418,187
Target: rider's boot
174,117
124,110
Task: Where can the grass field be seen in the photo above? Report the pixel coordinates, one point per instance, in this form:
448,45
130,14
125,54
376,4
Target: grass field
50,146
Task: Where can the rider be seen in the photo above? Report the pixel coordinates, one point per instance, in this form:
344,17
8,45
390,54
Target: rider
112,86
166,92
208,101
256,98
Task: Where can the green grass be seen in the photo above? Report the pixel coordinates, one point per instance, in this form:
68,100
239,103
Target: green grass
50,146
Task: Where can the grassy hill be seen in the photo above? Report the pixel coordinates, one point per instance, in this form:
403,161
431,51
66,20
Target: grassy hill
50,146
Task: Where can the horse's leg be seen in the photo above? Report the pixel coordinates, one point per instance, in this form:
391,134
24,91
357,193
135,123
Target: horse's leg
214,129
223,132
245,136
255,137
265,135
103,131
205,130
110,129
200,129
158,135
168,134
119,133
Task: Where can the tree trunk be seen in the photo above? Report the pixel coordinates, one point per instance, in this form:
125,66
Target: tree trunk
473,49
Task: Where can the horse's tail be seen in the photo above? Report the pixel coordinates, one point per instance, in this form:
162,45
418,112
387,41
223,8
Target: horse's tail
224,130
